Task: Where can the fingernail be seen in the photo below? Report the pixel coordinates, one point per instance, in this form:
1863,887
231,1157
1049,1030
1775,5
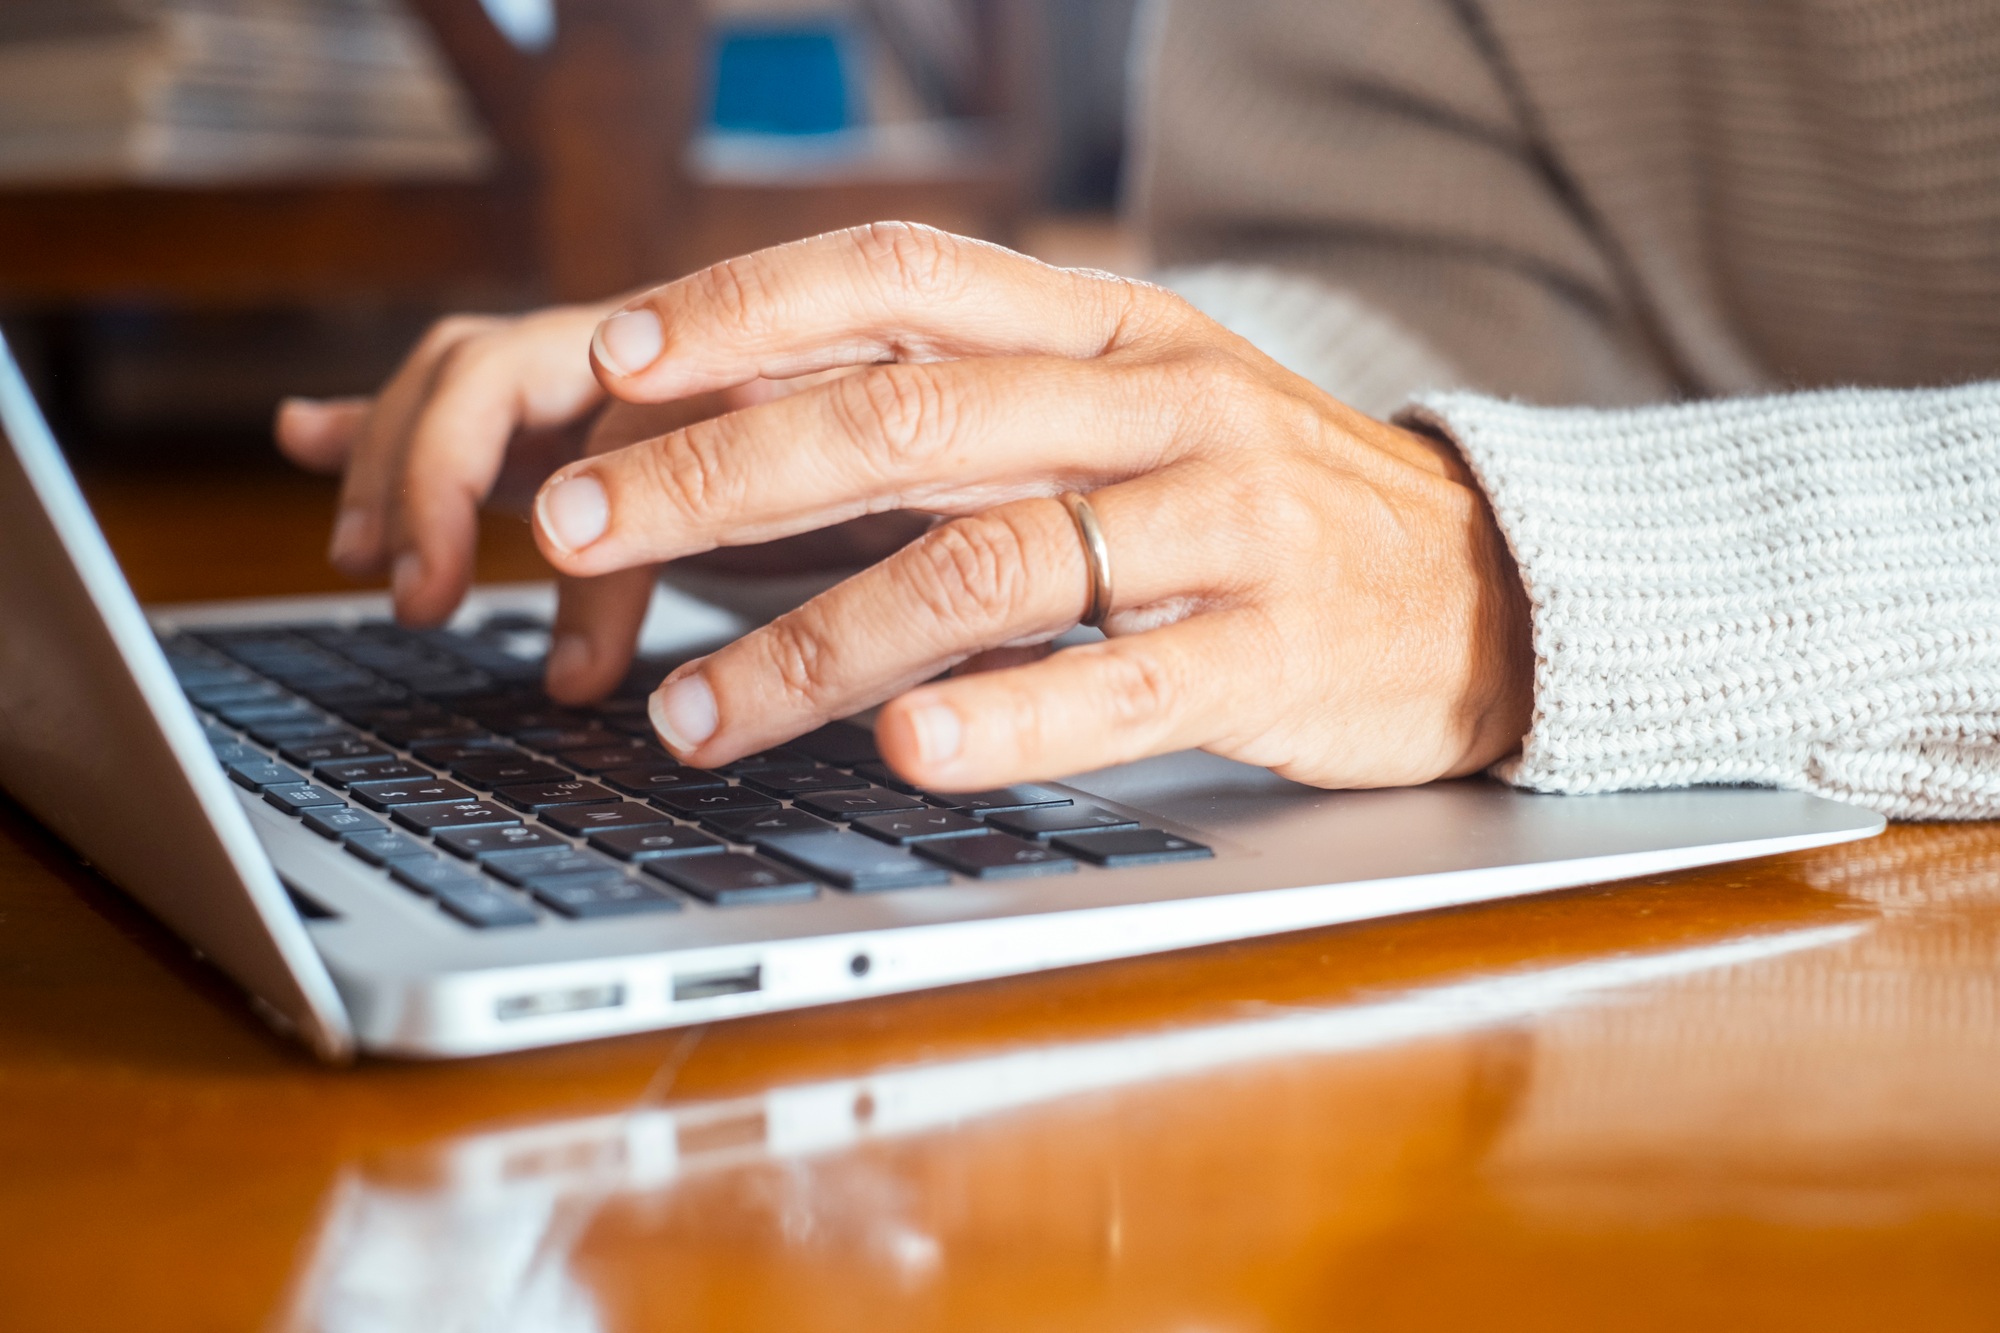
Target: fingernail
408,573
350,537
683,712
939,733
569,656
574,512
630,341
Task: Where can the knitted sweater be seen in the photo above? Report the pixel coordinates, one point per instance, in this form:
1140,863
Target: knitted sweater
1471,206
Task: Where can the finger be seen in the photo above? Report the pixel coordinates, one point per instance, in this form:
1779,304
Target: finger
597,626
485,389
360,530
889,291
318,434
1010,576
950,437
1080,709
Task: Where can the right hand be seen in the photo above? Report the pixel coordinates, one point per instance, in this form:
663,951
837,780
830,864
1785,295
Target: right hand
482,410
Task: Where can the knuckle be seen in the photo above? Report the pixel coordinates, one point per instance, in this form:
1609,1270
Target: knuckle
449,332
461,358
734,289
970,572
687,471
800,657
1139,691
901,412
922,261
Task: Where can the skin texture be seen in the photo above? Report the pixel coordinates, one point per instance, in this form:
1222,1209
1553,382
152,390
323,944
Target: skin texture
1296,585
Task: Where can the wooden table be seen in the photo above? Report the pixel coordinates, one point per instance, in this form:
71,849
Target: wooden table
1765,1096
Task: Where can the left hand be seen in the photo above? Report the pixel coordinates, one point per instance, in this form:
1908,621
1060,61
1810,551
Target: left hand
1296,585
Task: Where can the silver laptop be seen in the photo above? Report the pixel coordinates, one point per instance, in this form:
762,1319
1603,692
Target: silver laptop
396,844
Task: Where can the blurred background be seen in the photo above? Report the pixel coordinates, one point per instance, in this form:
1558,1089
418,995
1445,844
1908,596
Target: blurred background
208,204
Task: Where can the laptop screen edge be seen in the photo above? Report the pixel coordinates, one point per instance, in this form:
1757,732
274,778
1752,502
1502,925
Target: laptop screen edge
314,1005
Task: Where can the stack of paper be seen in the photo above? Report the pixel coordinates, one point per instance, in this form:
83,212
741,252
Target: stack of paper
214,91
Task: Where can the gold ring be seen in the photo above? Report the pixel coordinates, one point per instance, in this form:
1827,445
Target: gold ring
1096,558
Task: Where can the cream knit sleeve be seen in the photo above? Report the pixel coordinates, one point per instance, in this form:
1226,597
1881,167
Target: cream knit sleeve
1798,591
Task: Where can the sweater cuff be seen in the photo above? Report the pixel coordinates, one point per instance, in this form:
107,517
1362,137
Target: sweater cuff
1799,591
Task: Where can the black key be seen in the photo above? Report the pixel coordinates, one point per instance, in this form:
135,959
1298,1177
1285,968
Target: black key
233,751
337,821
884,776
750,825
426,790
1132,847
582,820
259,773
798,781
283,733
648,844
656,779
526,867
921,826
380,849
474,843
488,771
451,814
480,904
425,873
403,735
218,734
733,880
851,861
343,698
606,894
1051,820
265,710
996,856
552,739
447,684
840,743
443,754
513,717
399,713
324,749
195,675
776,757
1000,798
862,801
609,758
543,795
713,801
346,772
303,796
639,727
232,692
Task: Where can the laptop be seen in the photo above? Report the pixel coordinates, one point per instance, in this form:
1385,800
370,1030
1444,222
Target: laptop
396,844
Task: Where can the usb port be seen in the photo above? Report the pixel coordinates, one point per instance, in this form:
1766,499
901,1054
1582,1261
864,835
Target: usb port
704,985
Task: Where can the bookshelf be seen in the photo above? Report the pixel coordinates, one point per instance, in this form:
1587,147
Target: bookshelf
596,186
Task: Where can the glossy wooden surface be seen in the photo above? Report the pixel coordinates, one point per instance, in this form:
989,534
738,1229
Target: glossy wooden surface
1766,1096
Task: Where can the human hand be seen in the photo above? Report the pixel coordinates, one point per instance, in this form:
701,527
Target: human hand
1295,584
480,412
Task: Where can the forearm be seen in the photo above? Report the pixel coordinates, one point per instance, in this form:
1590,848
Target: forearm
1796,591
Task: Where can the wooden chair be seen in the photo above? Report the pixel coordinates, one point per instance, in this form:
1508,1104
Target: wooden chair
590,196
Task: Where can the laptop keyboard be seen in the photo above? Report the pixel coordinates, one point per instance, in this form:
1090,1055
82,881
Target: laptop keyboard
434,756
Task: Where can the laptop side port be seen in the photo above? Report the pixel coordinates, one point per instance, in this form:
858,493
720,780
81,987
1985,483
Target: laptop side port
568,1000
729,981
